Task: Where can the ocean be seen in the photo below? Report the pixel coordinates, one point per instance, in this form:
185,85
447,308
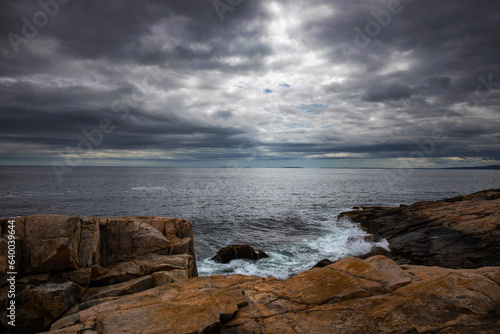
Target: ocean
289,213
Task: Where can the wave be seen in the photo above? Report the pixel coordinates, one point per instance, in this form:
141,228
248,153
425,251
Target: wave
339,239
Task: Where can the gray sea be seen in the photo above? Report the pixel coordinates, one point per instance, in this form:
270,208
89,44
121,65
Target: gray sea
289,213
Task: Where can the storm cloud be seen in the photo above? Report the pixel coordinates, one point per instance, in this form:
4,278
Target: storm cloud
263,83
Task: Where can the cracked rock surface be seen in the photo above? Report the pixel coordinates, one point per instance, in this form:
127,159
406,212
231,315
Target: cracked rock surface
350,296
67,264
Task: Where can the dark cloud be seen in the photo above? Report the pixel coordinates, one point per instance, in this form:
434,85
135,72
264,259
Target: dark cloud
389,92
351,79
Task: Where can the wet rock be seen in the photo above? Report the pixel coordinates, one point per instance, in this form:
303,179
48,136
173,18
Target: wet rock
232,252
323,263
459,232
375,251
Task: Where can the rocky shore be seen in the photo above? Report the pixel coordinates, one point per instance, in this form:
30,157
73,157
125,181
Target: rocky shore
458,232
66,264
138,275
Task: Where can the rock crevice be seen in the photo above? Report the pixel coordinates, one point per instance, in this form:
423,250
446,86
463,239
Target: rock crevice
342,297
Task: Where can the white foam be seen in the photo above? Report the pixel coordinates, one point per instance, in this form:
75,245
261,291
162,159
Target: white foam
149,188
341,239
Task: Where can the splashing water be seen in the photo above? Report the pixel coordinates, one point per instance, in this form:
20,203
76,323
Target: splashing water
340,239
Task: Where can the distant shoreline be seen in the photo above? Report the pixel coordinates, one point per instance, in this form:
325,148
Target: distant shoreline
490,167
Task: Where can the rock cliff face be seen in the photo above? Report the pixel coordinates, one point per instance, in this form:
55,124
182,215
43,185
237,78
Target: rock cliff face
350,296
459,232
69,263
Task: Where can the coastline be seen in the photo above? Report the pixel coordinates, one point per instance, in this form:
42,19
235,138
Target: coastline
461,232
139,274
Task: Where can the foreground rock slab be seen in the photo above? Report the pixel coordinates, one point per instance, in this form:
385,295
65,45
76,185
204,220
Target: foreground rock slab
375,295
458,232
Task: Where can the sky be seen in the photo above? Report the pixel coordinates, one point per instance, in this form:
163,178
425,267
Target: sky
247,83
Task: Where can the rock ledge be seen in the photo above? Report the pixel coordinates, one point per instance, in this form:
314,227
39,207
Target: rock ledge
458,232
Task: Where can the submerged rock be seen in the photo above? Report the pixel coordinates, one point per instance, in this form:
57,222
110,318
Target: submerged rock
232,252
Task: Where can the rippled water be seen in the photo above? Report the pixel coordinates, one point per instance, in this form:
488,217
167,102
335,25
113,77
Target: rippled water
289,213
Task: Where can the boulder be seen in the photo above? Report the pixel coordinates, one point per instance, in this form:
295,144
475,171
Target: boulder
182,246
323,263
178,231
232,252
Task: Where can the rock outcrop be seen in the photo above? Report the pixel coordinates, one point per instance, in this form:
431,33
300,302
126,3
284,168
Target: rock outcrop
459,232
350,296
233,252
68,263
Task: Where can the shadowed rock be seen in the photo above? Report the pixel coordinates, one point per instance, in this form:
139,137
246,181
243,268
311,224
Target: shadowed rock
323,263
459,232
69,263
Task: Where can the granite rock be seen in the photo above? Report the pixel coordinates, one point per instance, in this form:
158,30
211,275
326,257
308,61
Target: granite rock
375,295
458,232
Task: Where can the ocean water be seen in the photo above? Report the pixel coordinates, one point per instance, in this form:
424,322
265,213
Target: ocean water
289,213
